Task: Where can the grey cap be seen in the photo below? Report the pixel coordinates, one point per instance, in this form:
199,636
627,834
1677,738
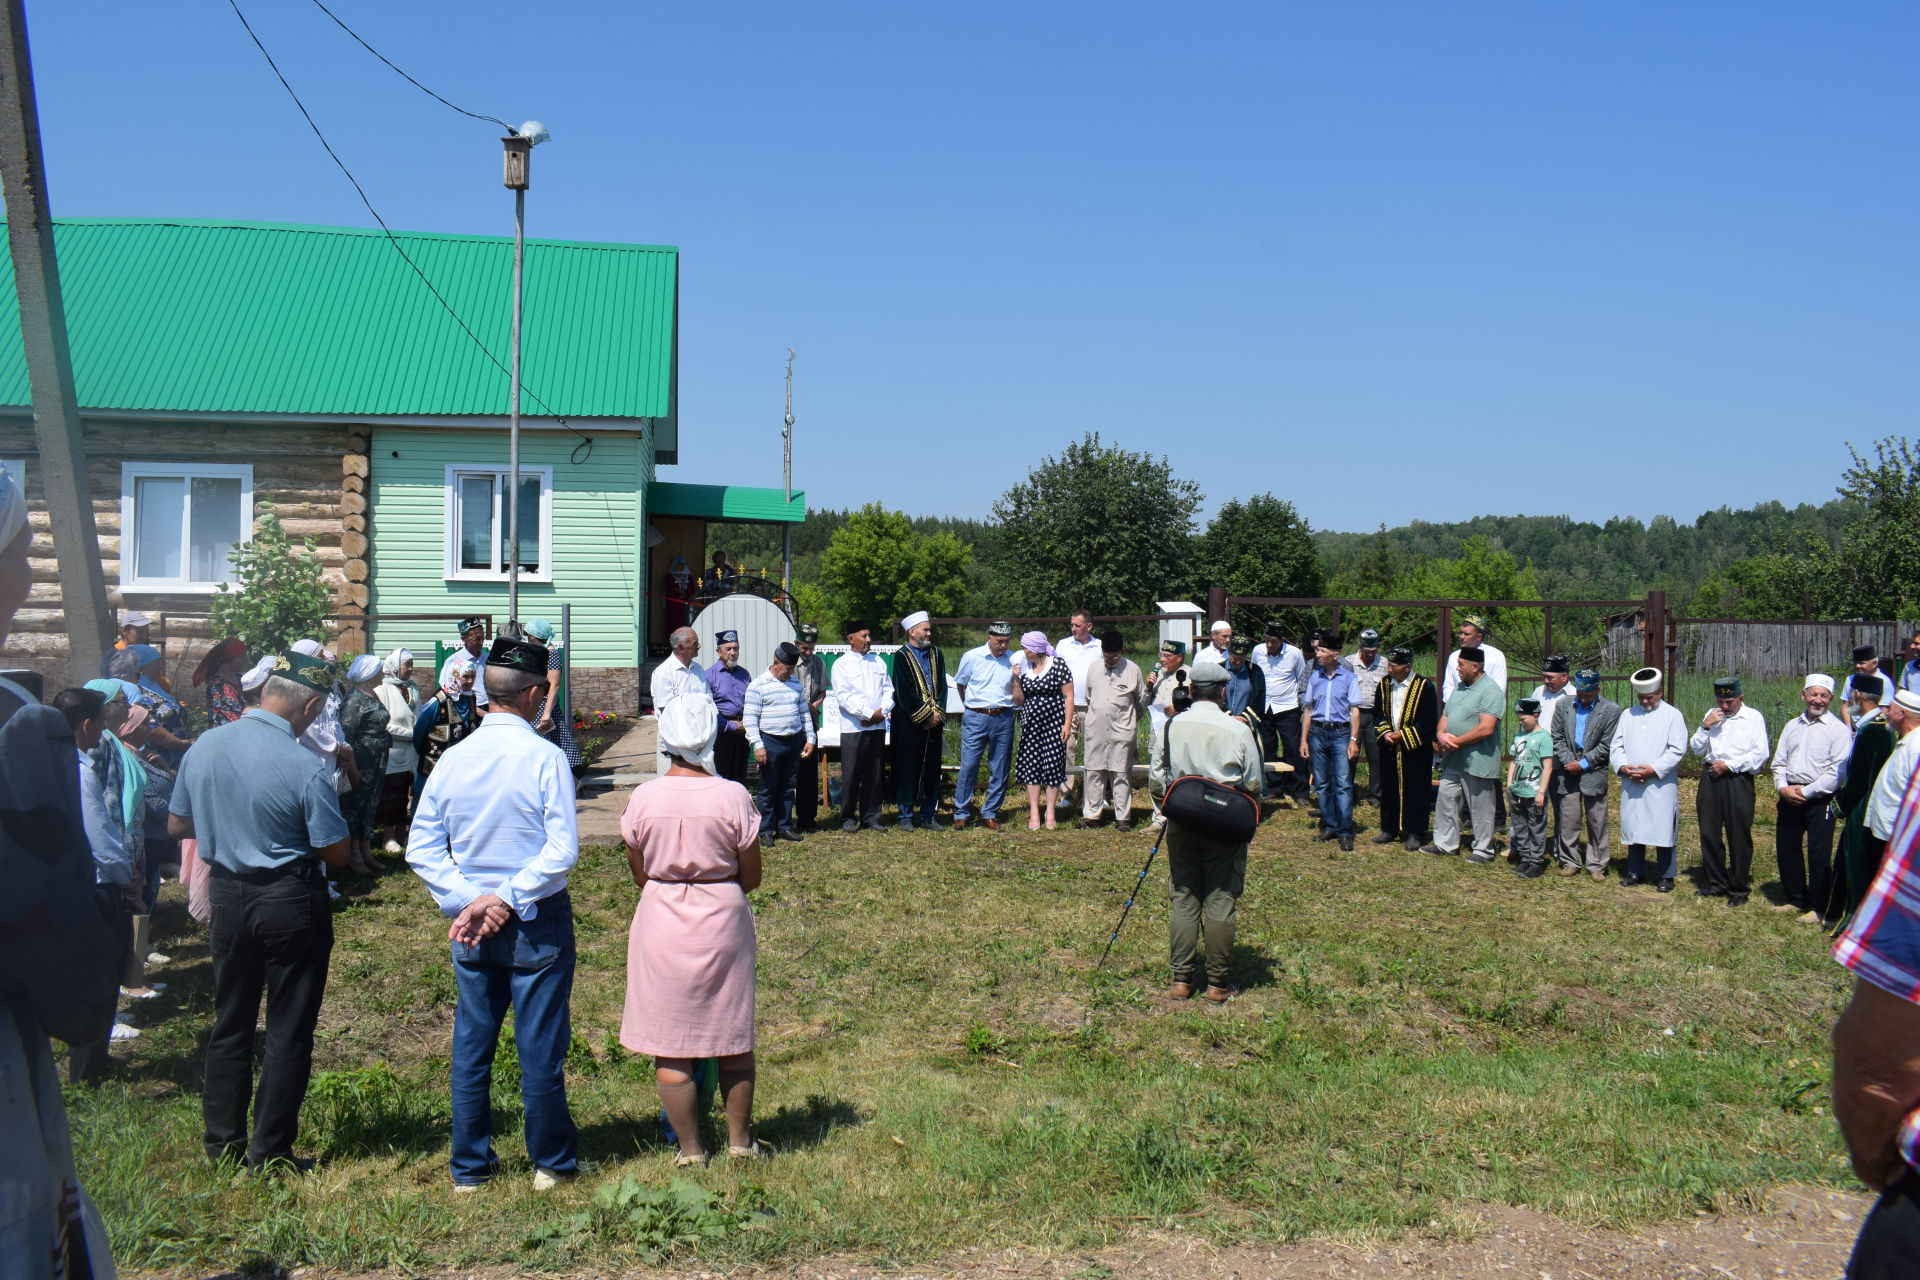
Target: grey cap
1208,673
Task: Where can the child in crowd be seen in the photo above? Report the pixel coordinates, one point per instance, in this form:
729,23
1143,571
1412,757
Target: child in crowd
1527,778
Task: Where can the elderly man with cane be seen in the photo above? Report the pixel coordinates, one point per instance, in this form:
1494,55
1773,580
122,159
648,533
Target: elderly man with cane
1207,874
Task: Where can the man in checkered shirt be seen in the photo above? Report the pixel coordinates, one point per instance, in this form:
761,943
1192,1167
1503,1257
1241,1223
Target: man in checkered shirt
1876,1054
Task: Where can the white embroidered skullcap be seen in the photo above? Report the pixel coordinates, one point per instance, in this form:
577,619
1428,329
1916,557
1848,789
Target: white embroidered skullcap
1819,680
914,619
1646,680
1908,699
1219,624
687,729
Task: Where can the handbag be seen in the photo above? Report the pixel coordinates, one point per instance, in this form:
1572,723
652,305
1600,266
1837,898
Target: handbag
1211,810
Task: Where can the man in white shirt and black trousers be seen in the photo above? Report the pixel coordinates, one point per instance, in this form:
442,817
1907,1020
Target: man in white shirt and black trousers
863,691
494,837
1732,742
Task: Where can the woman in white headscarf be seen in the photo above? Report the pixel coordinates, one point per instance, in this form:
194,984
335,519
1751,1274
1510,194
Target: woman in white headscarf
401,700
693,843
363,721
447,717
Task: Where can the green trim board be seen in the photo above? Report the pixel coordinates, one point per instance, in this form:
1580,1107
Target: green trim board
218,316
734,503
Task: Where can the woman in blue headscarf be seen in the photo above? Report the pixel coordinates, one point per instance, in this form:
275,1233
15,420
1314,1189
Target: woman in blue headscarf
140,665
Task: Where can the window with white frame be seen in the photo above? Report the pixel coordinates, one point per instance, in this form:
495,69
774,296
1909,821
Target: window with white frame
477,523
179,523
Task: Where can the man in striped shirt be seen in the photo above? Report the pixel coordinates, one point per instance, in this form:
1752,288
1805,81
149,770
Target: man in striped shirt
779,728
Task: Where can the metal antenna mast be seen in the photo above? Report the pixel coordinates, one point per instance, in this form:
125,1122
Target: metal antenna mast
786,476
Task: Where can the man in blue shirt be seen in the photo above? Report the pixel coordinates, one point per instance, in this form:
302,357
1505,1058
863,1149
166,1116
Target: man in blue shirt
727,681
780,729
984,681
268,822
1332,737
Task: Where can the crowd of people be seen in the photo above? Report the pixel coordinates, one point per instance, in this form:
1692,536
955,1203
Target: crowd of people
294,778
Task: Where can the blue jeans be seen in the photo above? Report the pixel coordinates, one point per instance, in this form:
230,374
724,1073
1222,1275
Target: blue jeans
1333,773
527,966
777,778
993,735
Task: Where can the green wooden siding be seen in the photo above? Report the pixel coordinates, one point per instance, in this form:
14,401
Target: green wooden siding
598,518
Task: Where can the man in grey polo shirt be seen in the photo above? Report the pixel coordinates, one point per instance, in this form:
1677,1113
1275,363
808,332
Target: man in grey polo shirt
267,818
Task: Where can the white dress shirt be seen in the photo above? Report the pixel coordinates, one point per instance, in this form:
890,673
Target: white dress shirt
1286,672
1496,668
1209,652
496,816
1891,786
1550,700
673,678
1079,655
479,671
1739,741
861,686
1396,698
1811,755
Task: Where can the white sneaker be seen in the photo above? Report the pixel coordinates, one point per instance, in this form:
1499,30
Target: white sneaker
153,989
394,846
121,1031
544,1181
155,958
467,1188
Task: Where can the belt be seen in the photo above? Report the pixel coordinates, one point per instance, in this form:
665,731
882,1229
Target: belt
1330,724
298,869
988,711
657,880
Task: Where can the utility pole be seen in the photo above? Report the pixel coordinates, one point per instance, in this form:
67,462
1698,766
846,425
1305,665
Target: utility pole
43,339
517,175
786,477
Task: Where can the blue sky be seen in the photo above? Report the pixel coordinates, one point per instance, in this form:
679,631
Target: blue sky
1388,261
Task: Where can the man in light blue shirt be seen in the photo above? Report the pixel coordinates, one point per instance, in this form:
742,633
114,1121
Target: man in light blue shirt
1332,736
114,878
493,837
779,729
266,817
984,681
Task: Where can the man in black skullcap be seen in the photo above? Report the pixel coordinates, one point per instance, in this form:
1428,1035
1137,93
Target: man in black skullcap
1866,662
780,730
473,640
1406,715
1733,746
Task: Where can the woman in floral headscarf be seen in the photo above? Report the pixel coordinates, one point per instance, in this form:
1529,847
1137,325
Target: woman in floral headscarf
449,716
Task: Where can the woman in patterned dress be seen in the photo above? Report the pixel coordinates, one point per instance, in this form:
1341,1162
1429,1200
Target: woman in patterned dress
220,672
1046,722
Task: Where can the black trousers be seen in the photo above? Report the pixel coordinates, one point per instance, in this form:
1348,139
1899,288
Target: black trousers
916,769
1803,844
88,1062
806,792
272,933
1370,748
861,757
1725,810
1406,791
776,780
1280,741
1889,1242
730,754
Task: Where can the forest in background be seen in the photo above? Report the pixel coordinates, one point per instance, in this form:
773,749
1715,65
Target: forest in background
1113,531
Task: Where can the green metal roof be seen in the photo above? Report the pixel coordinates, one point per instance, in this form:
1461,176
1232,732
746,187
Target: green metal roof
735,502
248,317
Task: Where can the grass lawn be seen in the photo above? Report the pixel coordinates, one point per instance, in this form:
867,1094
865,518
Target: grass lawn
942,1069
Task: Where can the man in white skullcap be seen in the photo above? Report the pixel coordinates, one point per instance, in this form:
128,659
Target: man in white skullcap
1649,742
919,723
1903,714
1813,749
255,679
1215,650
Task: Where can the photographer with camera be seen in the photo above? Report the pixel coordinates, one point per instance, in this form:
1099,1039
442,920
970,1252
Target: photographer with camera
1213,758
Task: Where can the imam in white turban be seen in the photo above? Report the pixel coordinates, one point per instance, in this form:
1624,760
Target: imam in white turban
914,619
1819,680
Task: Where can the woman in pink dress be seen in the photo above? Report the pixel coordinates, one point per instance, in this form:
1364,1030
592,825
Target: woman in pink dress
693,841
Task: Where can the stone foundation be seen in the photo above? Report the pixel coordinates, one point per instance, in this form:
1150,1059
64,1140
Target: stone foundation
615,689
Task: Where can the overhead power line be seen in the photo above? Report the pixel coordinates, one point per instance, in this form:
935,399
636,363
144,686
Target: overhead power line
586,441
404,76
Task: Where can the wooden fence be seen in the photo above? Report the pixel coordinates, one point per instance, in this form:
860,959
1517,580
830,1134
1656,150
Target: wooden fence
1759,650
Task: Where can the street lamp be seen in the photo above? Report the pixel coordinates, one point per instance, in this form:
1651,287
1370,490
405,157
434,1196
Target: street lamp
519,153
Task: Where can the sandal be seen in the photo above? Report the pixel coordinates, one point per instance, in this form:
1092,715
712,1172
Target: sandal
698,1160
754,1150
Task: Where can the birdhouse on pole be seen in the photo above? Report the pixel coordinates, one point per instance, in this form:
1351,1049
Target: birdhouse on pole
519,149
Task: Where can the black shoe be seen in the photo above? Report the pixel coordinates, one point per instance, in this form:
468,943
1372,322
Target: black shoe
1346,843
1665,885
905,823
874,825
1530,870
849,826
284,1164
766,842
789,834
1125,824
1437,851
1628,881
1325,836
1386,837
1413,844
1736,899
932,824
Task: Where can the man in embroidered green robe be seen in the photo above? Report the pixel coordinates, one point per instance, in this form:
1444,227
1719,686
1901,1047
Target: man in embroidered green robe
919,723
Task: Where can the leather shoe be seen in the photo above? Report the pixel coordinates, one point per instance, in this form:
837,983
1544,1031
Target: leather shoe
789,834
849,826
1123,825
1629,880
1665,885
1530,870
1220,995
1736,899
932,824
1710,891
1569,871
1180,991
1413,844
991,824
1325,836
1385,837
1346,843
1598,873
960,824
1438,851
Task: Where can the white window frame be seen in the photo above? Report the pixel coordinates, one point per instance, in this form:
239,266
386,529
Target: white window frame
450,511
133,471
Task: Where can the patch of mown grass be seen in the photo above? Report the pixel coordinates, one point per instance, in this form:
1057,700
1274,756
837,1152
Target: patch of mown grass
942,1067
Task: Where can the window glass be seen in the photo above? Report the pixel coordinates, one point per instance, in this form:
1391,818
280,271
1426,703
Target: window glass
476,522
529,524
159,511
213,526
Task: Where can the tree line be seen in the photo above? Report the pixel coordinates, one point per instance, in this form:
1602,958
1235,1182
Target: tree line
1113,530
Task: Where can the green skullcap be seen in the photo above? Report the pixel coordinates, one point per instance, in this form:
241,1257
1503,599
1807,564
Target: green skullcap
1727,687
317,674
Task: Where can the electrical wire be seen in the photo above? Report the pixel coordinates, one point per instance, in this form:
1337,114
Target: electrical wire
586,441
409,79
